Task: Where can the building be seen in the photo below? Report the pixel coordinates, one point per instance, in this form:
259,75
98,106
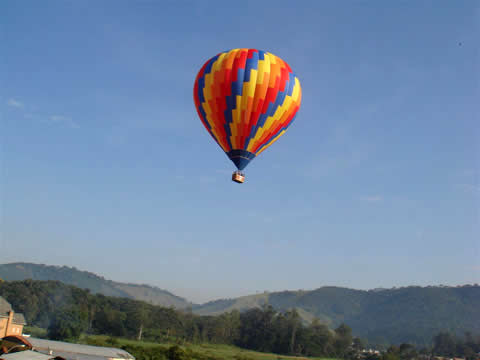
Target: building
63,350
10,322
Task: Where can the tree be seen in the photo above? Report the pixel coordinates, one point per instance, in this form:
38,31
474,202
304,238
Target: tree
358,344
176,353
67,323
257,329
110,321
343,340
294,324
136,318
444,344
319,340
407,351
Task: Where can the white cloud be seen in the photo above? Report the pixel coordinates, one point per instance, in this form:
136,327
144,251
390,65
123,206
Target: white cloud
372,198
14,103
63,119
52,119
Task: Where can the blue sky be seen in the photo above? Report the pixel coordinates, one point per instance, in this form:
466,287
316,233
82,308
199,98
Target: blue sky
106,166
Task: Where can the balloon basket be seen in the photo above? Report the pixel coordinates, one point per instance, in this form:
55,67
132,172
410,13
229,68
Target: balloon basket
238,177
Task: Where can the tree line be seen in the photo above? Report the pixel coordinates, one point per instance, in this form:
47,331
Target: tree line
67,311
445,345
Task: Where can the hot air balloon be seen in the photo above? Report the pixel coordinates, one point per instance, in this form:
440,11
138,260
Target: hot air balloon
246,99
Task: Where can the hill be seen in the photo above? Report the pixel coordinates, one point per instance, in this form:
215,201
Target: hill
410,314
67,311
87,280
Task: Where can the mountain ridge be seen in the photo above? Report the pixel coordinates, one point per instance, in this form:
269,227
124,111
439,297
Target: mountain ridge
95,283
405,314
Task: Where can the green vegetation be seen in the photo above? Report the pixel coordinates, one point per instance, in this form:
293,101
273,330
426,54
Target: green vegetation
68,311
94,283
67,323
383,316
35,331
444,345
203,351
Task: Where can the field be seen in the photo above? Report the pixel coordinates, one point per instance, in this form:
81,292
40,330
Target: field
203,351
196,351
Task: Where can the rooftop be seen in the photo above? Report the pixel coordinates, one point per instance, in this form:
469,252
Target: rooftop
5,308
26,355
69,350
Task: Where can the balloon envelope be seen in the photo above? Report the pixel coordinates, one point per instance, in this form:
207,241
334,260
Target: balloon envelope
246,99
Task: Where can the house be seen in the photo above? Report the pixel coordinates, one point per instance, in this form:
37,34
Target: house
10,322
64,350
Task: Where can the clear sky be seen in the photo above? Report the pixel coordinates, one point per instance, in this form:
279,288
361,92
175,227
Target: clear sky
106,166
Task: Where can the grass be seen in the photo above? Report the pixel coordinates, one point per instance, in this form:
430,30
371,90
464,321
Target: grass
212,351
35,331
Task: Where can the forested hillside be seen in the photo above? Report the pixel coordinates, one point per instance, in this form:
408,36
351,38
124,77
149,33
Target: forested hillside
410,314
87,280
68,311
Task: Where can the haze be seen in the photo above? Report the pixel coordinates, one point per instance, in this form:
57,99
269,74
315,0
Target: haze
106,166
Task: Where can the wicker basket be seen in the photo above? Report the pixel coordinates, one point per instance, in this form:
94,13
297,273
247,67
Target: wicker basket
238,177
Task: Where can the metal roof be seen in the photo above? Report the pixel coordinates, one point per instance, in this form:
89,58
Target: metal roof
26,355
77,351
5,308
